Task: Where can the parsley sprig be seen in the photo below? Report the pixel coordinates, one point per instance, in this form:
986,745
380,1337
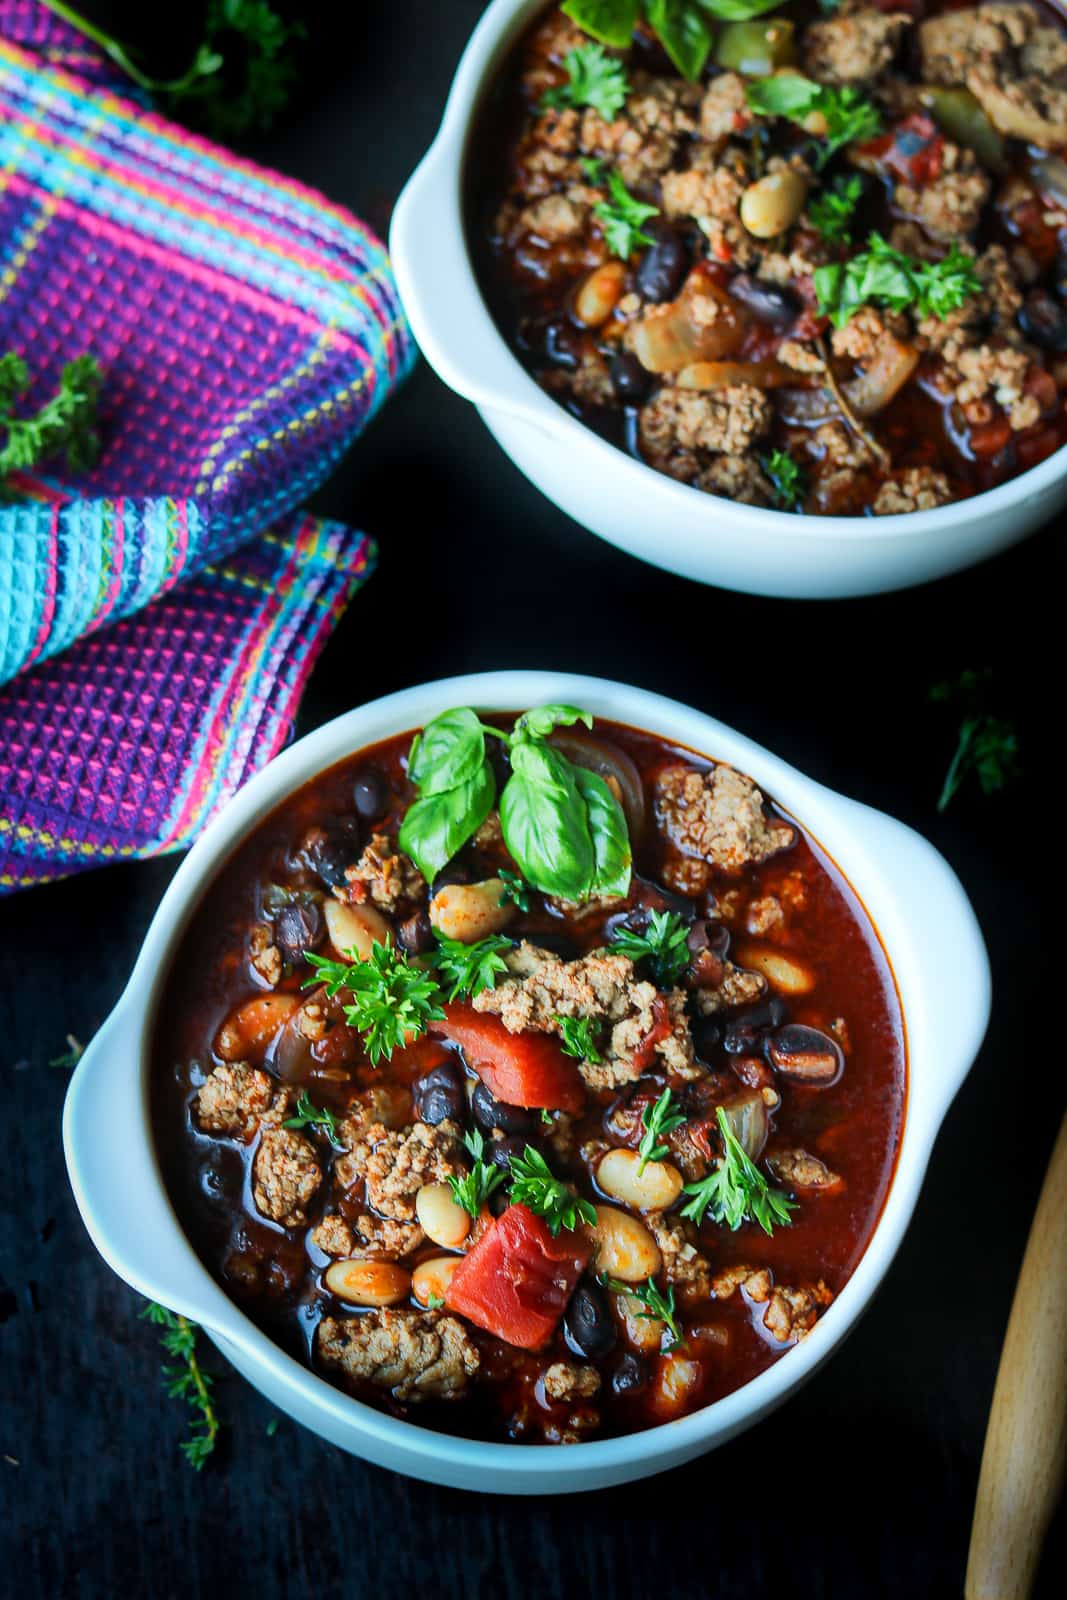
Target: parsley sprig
663,945
831,210
848,116
787,478
658,1307
391,999
578,1037
621,216
309,1115
516,889
472,1190
534,1186
883,276
987,745
186,1380
65,425
470,968
736,1190
593,79
658,1121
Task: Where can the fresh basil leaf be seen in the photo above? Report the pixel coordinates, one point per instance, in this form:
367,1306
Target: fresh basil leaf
610,21
684,33
788,95
449,751
738,10
539,722
544,821
439,824
608,831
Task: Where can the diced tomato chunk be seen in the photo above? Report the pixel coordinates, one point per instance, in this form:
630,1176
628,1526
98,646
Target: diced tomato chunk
516,1281
521,1069
913,150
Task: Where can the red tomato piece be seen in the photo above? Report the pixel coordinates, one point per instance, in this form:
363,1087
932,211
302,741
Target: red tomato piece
521,1069
516,1281
913,150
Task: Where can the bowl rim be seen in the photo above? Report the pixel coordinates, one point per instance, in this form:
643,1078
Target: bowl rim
444,165
869,837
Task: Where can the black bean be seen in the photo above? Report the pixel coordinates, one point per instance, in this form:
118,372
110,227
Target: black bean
769,1013
588,1326
502,1150
455,872
499,1201
492,1113
299,928
664,265
630,1374
415,935
768,302
333,847
440,1093
707,1036
1044,320
739,1040
806,1055
371,794
714,937
629,379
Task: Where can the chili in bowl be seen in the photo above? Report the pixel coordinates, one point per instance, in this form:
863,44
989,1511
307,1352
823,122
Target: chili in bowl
808,265
494,1078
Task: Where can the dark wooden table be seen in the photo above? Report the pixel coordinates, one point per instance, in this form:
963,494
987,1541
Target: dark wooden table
863,1484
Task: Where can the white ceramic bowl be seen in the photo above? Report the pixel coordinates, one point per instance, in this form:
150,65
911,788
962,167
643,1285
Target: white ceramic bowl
650,515
930,936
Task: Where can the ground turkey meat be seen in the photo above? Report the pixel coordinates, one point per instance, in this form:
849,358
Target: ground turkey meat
644,139
854,48
739,478
640,1023
717,816
682,1261
790,1313
415,1355
264,955
951,205
728,421
568,1381
912,489
233,1100
1024,108
394,1164
1009,63
286,1175
724,109
736,987
369,1238
802,1170
384,875
959,42
553,218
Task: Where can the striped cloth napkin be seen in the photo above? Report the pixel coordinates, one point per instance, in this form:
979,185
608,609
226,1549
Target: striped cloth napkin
159,616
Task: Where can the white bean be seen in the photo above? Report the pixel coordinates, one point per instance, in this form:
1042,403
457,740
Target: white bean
675,1384
781,971
368,1283
471,911
442,1220
773,203
653,1189
625,1248
644,1333
598,294
354,929
433,1277
247,1032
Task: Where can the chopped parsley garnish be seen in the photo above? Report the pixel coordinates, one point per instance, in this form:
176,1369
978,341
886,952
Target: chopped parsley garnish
578,1037
849,117
621,216
831,210
470,968
664,945
787,477
435,1302
309,1115
187,1381
658,1307
593,79
64,425
736,1190
392,1001
883,276
658,1120
987,745
516,889
533,1186
472,1190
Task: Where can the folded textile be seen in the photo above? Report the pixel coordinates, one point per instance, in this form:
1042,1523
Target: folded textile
246,329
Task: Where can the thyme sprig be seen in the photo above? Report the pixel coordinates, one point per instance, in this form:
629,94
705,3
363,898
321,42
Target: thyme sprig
185,1379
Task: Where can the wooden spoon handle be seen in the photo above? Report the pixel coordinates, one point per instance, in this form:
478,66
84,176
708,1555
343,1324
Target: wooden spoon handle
1026,1441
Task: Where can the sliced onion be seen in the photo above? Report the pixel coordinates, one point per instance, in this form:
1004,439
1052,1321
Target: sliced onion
748,1120
707,375
612,763
675,335
291,1056
885,375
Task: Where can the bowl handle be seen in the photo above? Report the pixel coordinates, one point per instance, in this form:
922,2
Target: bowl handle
115,1176
448,316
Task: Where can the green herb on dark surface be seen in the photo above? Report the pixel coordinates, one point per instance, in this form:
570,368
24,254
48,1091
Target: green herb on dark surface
64,426
391,999
272,1427
533,1186
848,115
71,1055
658,1120
241,77
473,1188
663,945
786,476
621,216
186,1380
470,968
736,1190
593,79
987,745
831,210
515,889
309,1115
658,1307
578,1037
883,276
